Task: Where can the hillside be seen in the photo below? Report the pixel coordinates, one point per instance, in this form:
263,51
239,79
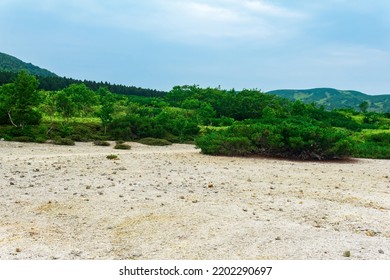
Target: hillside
10,66
333,99
13,64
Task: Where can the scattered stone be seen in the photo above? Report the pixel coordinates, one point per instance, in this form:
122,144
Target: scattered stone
278,238
381,251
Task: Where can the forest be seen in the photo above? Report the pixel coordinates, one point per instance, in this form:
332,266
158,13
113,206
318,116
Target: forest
218,121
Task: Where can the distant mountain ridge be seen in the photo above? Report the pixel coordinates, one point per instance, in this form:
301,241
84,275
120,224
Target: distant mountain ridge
13,64
332,98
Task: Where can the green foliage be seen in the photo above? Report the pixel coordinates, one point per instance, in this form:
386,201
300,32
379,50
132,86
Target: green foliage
23,139
288,140
20,99
112,157
372,150
154,141
12,64
364,106
382,137
234,123
122,147
63,141
338,99
101,143
216,143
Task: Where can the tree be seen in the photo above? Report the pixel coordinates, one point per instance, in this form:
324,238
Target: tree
22,99
364,106
82,97
107,102
65,105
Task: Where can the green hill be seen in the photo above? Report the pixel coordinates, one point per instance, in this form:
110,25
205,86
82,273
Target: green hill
13,64
334,99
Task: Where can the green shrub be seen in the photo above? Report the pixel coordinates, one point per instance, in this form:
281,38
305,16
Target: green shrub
40,139
112,157
122,147
101,143
23,139
371,150
217,144
64,141
383,137
155,142
79,137
289,140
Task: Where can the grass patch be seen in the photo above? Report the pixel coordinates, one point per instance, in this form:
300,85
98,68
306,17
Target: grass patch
122,147
155,142
112,157
101,143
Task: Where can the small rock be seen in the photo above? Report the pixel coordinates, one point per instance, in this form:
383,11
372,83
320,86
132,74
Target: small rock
278,238
381,251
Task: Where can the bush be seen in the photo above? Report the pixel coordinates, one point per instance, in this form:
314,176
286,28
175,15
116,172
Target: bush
101,143
64,141
371,150
112,157
383,137
40,139
218,144
122,147
288,140
155,142
23,139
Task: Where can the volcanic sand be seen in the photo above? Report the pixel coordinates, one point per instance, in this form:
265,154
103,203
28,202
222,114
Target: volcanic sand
71,202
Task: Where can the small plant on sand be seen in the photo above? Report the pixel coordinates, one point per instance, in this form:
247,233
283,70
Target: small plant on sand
101,143
112,157
155,142
122,147
64,141
347,254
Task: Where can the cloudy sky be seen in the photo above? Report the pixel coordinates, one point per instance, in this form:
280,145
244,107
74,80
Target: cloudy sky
237,44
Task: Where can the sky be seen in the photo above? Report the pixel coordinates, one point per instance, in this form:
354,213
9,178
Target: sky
158,44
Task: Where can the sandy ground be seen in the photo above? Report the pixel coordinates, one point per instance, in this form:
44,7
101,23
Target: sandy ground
59,202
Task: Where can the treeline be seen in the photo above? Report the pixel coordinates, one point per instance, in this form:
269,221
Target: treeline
55,83
220,122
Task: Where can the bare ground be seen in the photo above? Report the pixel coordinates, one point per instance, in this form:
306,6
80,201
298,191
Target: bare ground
59,202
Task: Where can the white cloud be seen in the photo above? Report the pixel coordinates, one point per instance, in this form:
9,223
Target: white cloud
180,20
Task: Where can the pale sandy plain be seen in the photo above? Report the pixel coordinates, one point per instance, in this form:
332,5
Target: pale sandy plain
60,202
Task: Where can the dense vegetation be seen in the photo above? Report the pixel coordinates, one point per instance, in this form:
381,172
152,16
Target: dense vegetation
220,122
55,83
336,99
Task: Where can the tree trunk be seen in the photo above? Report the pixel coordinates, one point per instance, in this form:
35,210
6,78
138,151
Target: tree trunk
10,118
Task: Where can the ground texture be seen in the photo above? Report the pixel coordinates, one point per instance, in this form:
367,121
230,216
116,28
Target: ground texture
59,202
